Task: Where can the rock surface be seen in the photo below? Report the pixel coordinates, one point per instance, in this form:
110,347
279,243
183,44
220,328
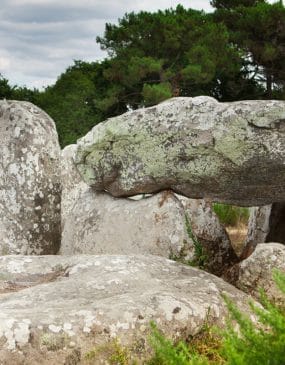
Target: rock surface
29,180
97,223
266,224
209,232
229,152
55,309
256,271
71,181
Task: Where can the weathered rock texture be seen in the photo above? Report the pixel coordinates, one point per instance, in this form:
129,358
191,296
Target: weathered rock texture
54,309
266,224
212,236
29,180
71,181
256,271
229,152
97,223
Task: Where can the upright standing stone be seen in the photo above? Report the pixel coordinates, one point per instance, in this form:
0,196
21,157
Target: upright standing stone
266,224
29,180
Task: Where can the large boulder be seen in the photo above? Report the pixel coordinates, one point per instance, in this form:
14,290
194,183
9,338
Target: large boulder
29,180
256,271
229,152
97,223
266,224
54,309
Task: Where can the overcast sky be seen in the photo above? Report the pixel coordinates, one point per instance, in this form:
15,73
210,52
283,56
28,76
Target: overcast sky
40,38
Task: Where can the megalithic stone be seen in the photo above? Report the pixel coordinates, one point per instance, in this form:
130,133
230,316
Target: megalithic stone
228,152
29,180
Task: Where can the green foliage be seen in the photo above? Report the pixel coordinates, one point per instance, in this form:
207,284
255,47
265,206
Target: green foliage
70,102
168,53
17,93
279,279
6,91
167,354
253,344
154,94
257,346
231,215
258,28
232,4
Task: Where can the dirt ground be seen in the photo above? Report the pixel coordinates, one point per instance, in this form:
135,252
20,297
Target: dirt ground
237,236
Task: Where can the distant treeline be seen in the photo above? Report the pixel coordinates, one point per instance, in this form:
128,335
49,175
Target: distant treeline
237,52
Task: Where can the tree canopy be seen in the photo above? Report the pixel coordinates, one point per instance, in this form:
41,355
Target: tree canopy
169,53
258,28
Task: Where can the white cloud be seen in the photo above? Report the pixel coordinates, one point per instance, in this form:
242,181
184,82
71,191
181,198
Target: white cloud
4,63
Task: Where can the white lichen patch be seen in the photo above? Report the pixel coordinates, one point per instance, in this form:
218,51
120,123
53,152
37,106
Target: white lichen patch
16,333
54,328
17,265
76,268
22,332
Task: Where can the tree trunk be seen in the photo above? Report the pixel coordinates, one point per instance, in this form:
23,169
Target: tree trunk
269,85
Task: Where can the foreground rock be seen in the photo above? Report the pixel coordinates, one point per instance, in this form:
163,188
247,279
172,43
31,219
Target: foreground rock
97,223
29,180
256,271
229,152
55,309
266,224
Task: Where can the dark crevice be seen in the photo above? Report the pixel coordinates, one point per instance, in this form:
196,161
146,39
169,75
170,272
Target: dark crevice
277,223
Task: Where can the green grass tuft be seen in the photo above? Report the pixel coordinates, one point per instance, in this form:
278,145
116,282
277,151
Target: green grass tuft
230,215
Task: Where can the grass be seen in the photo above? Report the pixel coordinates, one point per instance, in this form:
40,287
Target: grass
231,215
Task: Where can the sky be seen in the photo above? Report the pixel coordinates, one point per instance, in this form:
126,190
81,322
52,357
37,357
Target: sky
39,39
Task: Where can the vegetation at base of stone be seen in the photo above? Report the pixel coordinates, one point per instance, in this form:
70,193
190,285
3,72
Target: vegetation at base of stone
113,352
203,349
230,215
253,344
200,257
235,53
166,353
54,341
